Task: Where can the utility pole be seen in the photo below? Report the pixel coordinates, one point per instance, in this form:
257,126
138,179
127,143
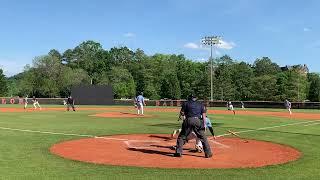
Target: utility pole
211,41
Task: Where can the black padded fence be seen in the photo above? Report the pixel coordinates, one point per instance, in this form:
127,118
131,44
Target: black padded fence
93,95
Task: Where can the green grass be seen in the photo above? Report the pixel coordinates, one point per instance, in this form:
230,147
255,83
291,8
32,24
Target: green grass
25,155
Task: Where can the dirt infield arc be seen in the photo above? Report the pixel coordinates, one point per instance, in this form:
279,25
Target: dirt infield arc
155,150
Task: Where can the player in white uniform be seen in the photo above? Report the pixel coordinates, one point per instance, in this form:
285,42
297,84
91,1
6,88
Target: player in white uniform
287,104
230,107
35,103
139,103
26,102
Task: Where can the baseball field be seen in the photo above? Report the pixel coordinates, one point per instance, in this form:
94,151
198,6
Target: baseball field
111,142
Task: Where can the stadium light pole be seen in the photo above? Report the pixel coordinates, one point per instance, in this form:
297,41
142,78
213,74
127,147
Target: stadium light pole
211,41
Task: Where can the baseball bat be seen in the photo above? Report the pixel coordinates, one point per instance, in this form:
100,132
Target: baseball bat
233,133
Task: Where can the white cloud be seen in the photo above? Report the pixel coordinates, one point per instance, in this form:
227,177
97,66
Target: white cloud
202,59
226,45
191,45
223,45
129,35
306,29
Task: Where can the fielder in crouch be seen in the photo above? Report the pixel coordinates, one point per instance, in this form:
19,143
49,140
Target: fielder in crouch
36,103
139,103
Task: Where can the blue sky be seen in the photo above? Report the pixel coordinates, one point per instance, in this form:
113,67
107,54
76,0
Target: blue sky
286,31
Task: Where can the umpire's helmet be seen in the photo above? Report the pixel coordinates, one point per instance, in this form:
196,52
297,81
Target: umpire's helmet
192,96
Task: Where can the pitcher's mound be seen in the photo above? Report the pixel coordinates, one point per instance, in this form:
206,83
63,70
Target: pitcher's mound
145,150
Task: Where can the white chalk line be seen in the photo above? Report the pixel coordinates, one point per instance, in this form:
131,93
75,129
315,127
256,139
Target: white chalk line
270,127
108,138
46,132
126,140
312,124
129,145
220,144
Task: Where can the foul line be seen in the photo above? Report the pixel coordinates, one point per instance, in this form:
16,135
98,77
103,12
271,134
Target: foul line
270,127
46,132
311,124
308,123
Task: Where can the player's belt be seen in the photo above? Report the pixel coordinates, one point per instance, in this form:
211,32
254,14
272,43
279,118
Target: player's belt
194,117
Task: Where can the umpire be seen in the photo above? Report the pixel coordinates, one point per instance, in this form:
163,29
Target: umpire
70,103
193,111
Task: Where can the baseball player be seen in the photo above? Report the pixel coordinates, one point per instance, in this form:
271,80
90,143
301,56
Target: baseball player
26,102
198,145
287,104
70,103
230,107
194,111
35,103
139,102
242,105
64,102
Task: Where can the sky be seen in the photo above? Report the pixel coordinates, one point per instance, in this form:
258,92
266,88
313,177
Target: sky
286,31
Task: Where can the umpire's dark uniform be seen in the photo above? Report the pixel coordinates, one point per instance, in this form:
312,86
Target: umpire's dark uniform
70,103
193,110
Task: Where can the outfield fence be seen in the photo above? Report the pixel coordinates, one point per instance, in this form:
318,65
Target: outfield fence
236,104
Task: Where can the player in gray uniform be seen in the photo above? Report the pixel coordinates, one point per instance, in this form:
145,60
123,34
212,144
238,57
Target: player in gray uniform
242,105
139,103
287,104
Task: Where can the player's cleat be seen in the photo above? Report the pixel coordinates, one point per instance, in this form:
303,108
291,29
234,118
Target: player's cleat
199,149
208,155
177,155
173,133
173,147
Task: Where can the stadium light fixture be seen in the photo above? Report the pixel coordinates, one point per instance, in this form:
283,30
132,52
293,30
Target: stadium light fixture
211,41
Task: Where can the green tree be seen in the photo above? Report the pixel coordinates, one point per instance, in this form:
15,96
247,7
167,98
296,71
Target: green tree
224,88
264,88
314,90
281,85
72,77
296,85
122,82
3,84
242,76
265,66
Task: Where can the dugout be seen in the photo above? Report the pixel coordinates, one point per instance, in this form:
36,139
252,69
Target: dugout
92,95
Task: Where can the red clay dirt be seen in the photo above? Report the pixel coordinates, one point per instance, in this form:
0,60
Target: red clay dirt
147,150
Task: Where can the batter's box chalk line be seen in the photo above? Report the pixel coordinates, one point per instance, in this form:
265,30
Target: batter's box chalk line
146,144
219,144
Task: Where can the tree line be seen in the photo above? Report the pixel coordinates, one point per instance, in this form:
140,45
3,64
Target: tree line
160,76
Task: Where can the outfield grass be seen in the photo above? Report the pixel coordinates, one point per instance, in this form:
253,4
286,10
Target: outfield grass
25,155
